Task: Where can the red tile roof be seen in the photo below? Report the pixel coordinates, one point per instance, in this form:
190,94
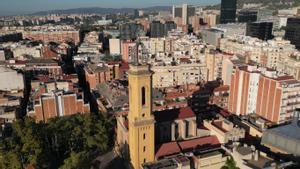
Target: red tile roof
222,88
177,104
283,78
218,124
224,113
174,114
186,112
198,142
185,60
43,78
167,149
69,77
124,66
174,95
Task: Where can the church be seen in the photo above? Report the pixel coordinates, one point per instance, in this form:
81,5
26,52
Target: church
146,138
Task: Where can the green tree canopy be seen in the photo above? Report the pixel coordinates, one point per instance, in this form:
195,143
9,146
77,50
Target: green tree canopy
67,143
230,164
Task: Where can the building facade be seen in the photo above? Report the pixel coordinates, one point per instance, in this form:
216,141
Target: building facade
140,118
264,92
260,30
228,11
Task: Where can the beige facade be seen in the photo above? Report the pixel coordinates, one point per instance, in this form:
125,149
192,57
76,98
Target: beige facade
167,76
157,45
225,130
266,54
290,65
214,63
214,160
114,46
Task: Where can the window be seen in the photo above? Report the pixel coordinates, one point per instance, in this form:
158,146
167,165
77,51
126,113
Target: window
187,129
176,131
143,96
144,149
144,160
144,136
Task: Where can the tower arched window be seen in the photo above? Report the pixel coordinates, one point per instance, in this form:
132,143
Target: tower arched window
143,96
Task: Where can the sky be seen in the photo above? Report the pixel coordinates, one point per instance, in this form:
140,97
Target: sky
12,7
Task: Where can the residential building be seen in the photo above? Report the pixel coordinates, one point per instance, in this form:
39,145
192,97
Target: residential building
101,73
266,53
129,51
11,80
214,60
220,97
212,36
167,76
253,88
115,46
47,35
58,104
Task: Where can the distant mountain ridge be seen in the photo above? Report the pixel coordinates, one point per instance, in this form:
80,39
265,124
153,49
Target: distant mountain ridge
100,10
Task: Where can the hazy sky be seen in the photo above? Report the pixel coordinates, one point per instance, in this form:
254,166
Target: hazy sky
9,7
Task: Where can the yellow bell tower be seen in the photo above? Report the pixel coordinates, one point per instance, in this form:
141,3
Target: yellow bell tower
140,118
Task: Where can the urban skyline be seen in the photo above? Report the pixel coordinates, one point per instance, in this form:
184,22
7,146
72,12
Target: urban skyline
16,7
182,86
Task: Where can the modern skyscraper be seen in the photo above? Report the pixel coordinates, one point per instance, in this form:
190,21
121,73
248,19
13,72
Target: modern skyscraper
247,16
136,13
130,31
140,117
177,12
292,32
168,26
156,29
185,18
260,30
228,11
185,11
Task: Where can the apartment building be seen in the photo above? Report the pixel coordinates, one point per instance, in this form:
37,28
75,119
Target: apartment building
57,104
265,53
265,92
167,76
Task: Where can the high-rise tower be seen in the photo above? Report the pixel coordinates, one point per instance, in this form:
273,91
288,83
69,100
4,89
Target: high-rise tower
140,118
228,11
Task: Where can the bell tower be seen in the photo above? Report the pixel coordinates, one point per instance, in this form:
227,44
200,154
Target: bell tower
140,118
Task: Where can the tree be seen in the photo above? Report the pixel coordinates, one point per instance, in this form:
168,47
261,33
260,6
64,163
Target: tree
230,164
67,143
